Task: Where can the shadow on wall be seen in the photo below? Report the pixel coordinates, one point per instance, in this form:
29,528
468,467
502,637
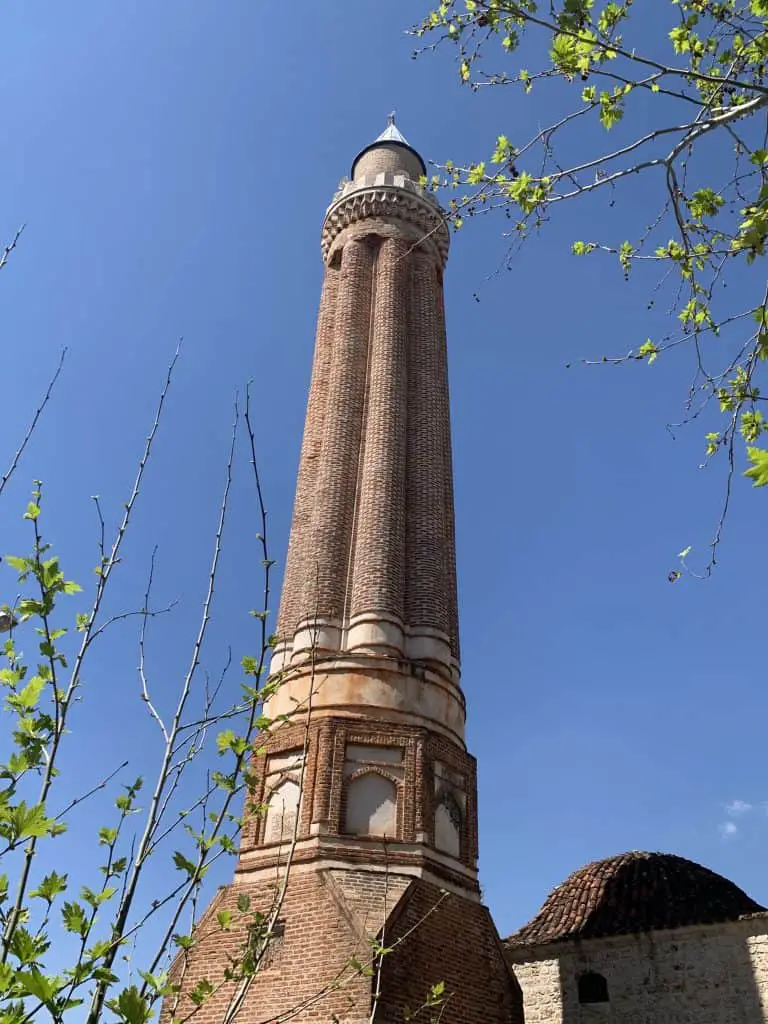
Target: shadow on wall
709,974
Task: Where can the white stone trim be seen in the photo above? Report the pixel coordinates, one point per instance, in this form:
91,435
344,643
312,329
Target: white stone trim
360,685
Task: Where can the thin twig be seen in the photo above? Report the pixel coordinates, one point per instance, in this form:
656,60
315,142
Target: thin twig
38,412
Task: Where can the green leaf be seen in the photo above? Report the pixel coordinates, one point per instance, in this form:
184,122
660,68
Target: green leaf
21,564
24,822
758,472
18,763
649,349
582,248
104,974
28,948
752,425
564,55
437,990
243,903
225,740
7,975
183,863
75,918
29,695
611,111
202,991
503,151
33,511
705,202
35,983
476,174
50,887
95,899
157,982
131,1007
224,919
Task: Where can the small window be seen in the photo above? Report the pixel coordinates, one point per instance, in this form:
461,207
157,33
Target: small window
593,988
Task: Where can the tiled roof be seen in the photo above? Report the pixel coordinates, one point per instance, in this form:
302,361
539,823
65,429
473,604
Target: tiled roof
634,892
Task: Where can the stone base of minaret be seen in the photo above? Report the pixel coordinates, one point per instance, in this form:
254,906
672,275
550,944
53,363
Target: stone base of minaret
445,960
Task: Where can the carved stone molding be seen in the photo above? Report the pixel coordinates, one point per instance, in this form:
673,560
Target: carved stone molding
388,202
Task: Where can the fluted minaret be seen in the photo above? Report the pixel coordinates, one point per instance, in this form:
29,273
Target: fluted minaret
367,627
366,794
371,562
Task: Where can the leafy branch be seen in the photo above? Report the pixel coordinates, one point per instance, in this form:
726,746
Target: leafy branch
711,222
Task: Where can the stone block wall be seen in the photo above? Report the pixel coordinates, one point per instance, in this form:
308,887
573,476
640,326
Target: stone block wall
709,974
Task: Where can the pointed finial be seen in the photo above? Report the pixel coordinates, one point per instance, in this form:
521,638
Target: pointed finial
391,119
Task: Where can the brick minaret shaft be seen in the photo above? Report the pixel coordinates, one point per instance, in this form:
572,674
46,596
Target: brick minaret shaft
367,780
368,623
371,560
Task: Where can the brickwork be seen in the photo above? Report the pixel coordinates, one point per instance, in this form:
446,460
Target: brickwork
298,562
435,937
447,478
318,940
324,793
334,500
429,534
387,159
704,974
379,568
397,201
373,526
447,939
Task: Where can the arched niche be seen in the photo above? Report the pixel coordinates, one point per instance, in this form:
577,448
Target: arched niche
448,826
283,807
371,805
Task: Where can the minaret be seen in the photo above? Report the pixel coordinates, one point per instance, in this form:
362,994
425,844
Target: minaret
367,789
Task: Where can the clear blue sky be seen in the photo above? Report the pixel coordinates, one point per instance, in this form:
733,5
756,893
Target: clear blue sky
173,163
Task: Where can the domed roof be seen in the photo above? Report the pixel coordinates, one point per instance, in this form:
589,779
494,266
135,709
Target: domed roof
634,892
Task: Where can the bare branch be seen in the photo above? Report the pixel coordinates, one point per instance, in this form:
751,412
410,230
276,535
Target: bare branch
38,412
